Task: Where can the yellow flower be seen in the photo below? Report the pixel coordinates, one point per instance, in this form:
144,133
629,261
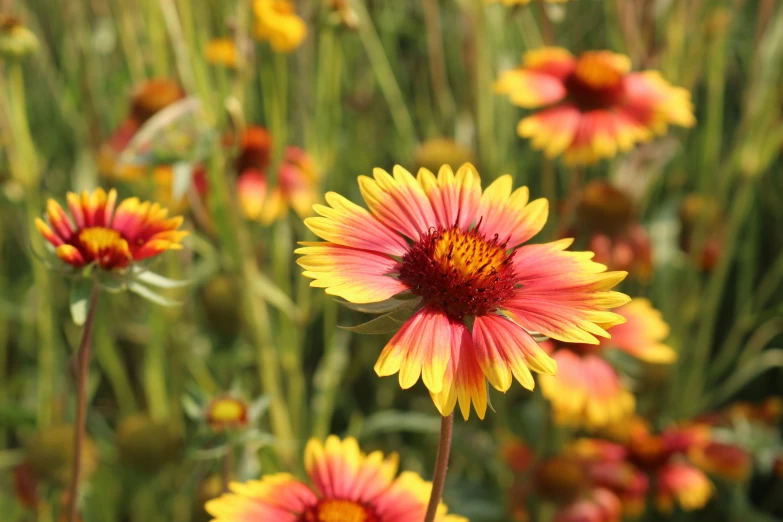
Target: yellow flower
277,23
222,51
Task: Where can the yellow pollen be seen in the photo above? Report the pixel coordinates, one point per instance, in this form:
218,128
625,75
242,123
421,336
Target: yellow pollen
598,71
468,253
100,239
341,511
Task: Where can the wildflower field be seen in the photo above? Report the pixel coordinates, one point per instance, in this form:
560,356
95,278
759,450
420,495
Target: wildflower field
389,261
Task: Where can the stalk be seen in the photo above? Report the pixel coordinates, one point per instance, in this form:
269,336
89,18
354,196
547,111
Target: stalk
441,466
83,366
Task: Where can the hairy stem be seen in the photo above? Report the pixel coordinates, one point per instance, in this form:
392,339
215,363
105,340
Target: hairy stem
441,466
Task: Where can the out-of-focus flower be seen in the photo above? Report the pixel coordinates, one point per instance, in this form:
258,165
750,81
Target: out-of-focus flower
255,146
605,215
296,189
683,484
222,51
278,23
560,478
599,505
16,40
147,99
346,485
592,105
226,413
727,461
146,445
587,391
345,14
96,233
433,153
701,221
461,262
163,180
50,455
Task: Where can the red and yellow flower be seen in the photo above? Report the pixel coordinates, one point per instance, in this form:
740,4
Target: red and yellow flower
346,486
587,391
457,250
592,105
226,413
97,233
278,23
295,189
222,51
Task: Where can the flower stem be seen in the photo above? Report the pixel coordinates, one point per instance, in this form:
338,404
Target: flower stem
81,403
228,464
571,201
441,466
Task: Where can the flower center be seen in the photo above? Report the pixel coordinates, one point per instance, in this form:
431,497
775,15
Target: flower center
105,245
331,510
460,272
597,81
226,411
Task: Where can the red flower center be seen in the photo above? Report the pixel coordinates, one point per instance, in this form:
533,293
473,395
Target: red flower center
104,245
332,510
597,82
461,272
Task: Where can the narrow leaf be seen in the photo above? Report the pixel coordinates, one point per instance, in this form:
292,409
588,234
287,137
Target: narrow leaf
150,295
80,298
159,281
274,295
386,323
383,307
181,180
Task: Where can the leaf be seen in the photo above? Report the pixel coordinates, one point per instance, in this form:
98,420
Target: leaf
386,323
181,180
150,295
258,407
383,307
159,281
274,295
192,408
80,300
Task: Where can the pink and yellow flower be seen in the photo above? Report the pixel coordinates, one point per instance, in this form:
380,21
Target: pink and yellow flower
587,391
592,105
278,23
599,505
296,189
346,486
457,249
683,484
97,233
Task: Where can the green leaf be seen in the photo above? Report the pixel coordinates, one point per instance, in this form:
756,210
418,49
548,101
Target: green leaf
159,281
386,323
80,300
275,296
382,307
150,295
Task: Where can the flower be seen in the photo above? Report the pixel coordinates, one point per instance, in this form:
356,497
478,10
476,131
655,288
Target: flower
49,454
433,153
296,184
684,484
146,445
112,239
592,104
16,40
222,51
463,263
599,505
723,460
277,23
148,99
587,391
346,486
226,413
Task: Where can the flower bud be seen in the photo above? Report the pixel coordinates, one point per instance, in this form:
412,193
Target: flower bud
146,445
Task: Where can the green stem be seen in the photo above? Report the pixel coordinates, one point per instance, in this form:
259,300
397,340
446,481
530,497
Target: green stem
82,369
441,467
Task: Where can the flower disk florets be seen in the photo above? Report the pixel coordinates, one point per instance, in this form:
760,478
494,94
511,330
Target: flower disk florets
460,272
332,510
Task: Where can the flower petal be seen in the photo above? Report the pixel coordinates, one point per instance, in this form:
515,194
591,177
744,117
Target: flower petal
70,255
683,483
454,199
422,346
345,223
530,89
504,348
358,276
278,497
564,295
551,130
399,202
642,333
509,215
